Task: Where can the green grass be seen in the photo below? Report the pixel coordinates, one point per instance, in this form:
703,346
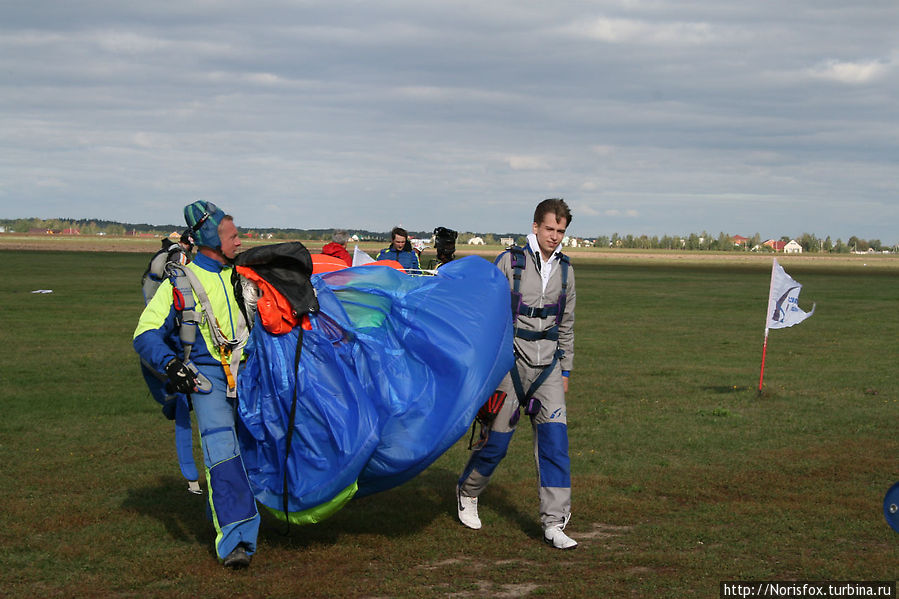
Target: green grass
682,475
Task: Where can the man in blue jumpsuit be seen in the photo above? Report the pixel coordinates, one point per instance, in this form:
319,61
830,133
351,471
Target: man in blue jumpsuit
544,354
210,375
400,250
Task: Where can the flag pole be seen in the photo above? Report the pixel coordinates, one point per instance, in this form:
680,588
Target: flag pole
764,351
767,322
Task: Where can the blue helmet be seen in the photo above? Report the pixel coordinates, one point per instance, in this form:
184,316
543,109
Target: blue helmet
203,218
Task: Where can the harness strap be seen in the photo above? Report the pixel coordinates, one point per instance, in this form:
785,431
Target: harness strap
230,350
184,441
290,425
519,263
225,359
563,295
219,338
551,333
525,398
545,311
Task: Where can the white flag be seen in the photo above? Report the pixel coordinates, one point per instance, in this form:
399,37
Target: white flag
360,257
783,300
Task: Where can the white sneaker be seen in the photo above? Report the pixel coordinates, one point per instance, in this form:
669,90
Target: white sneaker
555,536
467,507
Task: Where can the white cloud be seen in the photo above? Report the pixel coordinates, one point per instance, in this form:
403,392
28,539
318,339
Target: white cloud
127,42
602,150
143,139
618,213
621,31
587,209
527,163
851,72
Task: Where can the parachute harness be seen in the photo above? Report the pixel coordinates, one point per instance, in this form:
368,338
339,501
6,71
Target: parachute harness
519,262
230,350
488,412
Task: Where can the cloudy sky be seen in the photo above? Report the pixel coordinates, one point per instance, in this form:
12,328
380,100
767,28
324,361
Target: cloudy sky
771,116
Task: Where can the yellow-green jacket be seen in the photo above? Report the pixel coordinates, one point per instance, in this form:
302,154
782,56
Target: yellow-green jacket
157,339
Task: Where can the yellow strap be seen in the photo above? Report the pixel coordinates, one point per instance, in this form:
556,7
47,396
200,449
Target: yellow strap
225,357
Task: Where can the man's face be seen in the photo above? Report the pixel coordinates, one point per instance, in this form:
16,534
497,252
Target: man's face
549,233
399,242
230,239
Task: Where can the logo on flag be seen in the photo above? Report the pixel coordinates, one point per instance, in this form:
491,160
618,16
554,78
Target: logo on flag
783,300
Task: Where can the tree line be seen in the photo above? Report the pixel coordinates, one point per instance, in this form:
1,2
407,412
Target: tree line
694,241
727,243
105,227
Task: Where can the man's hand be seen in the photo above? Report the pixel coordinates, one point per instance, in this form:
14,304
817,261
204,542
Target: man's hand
182,379
565,383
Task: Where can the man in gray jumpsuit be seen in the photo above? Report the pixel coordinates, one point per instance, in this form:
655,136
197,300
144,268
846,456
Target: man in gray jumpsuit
544,353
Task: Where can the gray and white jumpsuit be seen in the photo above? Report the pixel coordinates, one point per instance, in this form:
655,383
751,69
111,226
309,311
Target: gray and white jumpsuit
531,358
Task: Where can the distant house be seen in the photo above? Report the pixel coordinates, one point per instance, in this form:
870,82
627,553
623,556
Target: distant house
791,247
475,241
739,240
777,246
507,241
71,231
40,231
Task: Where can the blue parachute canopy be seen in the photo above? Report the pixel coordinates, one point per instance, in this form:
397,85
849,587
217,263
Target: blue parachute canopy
391,374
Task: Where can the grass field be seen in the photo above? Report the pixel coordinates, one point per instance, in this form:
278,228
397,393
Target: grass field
682,475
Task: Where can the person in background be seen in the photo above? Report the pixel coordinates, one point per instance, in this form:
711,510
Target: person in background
400,250
337,247
445,244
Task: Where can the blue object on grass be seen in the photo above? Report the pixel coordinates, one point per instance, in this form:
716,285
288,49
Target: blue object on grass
891,507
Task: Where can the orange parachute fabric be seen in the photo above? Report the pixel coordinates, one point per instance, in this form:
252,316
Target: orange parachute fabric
273,308
390,263
322,263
